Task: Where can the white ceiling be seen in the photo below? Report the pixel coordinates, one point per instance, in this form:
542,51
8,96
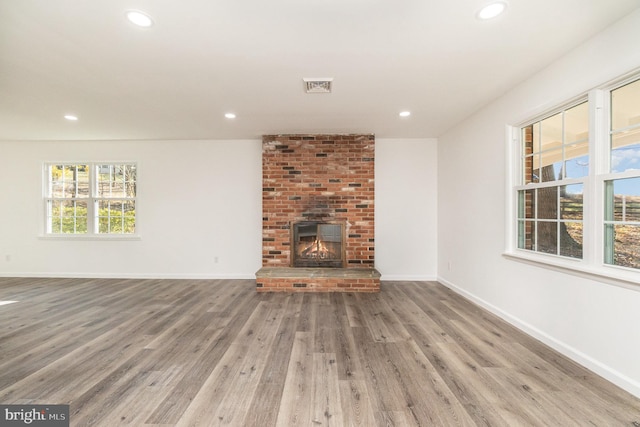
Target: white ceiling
203,58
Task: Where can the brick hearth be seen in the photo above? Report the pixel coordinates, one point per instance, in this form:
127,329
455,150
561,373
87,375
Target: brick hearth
323,178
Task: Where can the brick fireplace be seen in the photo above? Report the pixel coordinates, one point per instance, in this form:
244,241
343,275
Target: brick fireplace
318,214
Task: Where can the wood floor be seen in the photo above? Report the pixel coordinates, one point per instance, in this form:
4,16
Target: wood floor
214,352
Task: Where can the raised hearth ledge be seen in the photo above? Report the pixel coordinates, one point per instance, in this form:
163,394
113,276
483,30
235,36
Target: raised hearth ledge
299,272
289,279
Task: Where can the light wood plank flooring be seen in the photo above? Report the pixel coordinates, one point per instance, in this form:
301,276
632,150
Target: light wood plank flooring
214,352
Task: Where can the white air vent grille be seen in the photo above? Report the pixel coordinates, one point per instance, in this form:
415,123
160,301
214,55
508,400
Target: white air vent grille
317,85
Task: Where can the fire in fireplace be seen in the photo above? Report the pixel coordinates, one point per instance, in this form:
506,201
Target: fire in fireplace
317,244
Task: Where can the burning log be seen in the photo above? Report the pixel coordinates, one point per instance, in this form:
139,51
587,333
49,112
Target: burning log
317,249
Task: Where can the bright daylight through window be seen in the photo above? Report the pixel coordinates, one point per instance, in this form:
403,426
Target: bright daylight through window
90,199
622,194
577,194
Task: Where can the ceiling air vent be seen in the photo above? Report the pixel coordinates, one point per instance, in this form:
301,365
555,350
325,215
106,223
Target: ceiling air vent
317,85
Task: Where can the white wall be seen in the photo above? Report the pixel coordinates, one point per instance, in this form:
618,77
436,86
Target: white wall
406,209
593,322
199,200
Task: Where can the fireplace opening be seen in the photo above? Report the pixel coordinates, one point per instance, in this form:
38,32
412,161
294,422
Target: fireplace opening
317,244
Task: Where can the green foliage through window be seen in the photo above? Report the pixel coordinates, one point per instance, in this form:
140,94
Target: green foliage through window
91,198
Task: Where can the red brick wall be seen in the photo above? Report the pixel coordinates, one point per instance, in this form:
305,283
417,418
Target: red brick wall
318,177
322,284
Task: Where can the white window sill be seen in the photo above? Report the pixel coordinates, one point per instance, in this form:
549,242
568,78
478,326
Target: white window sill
618,276
95,237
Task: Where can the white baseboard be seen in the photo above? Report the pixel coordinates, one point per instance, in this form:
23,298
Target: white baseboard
622,381
241,276
132,276
399,278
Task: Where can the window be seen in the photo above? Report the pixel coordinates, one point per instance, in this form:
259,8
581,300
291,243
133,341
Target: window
622,222
554,161
90,199
622,192
577,184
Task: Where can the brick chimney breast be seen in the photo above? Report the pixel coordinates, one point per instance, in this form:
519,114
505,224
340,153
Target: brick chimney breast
326,178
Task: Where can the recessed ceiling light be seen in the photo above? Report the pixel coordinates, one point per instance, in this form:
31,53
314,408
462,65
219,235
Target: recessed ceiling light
230,116
140,19
405,113
71,117
491,10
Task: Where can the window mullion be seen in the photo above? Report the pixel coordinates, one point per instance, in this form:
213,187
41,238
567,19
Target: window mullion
91,208
608,226
594,191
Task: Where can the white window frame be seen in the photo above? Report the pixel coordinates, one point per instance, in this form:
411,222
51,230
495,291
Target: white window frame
592,265
92,218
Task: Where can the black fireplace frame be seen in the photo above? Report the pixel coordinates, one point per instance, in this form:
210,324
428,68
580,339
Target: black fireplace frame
297,261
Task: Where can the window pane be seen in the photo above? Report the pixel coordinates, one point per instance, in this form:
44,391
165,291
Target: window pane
551,132
626,200
576,160
576,123
56,183
571,202
622,234
105,181
116,180
82,180
626,245
625,127
571,239
130,177
535,137
548,237
535,172
526,235
527,150
571,212
625,151
559,144
54,222
527,140
625,106
526,203
116,216
67,216
68,181
551,169
548,203
528,172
